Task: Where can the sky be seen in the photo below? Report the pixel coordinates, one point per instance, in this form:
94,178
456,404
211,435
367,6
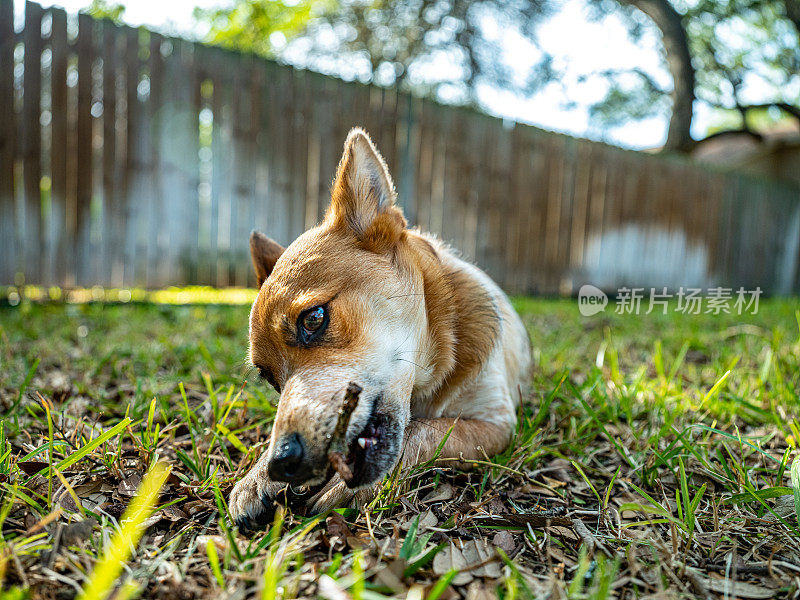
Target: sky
585,46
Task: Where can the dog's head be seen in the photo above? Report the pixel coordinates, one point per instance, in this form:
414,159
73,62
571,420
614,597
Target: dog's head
341,304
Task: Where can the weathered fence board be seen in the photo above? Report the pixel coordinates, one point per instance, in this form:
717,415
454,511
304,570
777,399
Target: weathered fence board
8,151
132,159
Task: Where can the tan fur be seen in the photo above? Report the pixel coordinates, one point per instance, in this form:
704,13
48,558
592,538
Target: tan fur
433,342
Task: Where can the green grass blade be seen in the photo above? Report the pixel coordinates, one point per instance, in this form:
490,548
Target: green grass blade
796,485
95,443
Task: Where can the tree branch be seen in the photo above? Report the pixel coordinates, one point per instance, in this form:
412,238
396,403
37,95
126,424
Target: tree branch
729,132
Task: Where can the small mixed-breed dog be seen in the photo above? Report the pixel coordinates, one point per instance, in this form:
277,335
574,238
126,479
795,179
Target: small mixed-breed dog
430,339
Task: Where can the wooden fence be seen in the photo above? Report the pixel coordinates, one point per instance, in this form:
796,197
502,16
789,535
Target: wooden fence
128,158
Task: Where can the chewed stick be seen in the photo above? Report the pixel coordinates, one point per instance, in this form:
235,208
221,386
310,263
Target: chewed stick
337,449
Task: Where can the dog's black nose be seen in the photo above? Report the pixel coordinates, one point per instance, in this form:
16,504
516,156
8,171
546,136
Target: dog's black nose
287,460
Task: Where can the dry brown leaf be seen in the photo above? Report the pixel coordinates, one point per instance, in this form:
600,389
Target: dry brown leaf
530,488
337,527
440,494
32,467
357,543
478,552
129,485
449,558
87,488
78,532
564,533
174,514
426,521
505,541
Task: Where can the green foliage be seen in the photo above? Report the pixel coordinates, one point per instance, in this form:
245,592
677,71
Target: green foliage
104,9
260,26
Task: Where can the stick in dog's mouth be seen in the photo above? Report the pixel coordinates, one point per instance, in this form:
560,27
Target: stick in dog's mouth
337,449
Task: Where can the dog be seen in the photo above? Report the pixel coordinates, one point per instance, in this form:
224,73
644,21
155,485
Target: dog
434,344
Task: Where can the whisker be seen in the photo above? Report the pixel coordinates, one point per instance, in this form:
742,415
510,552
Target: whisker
428,371
427,423
405,295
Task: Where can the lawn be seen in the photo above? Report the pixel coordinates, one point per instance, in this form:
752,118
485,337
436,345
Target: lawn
653,458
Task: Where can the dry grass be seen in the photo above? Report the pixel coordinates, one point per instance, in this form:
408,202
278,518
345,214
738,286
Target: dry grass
653,459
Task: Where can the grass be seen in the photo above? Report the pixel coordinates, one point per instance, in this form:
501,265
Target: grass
653,457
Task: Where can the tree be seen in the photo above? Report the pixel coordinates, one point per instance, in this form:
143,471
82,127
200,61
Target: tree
737,55
395,42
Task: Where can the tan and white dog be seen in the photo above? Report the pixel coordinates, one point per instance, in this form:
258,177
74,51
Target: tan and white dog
433,342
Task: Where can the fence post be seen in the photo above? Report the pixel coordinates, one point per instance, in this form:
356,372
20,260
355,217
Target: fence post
8,125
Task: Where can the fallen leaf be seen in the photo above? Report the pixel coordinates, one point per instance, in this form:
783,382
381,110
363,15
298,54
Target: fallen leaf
32,467
451,557
87,488
79,531
440,494
505,541
564,533
129,485
337,527
479,556
357,543
173,513
426,521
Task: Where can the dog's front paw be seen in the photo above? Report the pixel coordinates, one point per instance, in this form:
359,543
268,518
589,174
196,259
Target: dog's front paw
252,502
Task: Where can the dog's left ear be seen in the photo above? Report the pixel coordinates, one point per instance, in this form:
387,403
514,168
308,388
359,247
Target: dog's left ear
265,252
363,195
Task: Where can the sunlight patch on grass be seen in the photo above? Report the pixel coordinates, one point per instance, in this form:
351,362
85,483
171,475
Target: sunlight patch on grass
171,295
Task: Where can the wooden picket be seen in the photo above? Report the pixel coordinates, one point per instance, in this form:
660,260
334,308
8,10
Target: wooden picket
128,158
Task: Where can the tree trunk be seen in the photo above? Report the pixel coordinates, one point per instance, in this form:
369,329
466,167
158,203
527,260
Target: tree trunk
679,62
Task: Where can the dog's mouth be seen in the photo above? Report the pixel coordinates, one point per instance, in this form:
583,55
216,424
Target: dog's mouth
367,453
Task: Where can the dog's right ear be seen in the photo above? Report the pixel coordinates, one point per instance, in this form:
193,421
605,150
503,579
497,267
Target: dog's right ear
265,252
363,195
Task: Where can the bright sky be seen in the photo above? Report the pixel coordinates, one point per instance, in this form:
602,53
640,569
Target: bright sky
586,47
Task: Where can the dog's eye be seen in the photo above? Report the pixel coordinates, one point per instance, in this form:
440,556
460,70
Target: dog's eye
311,323
313,319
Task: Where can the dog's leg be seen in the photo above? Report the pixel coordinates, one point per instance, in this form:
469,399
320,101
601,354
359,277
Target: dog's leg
469,439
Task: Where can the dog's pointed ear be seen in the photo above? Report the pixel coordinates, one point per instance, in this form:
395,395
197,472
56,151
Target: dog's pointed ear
363,195
265,252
